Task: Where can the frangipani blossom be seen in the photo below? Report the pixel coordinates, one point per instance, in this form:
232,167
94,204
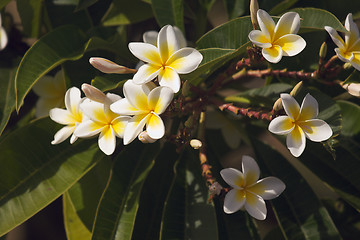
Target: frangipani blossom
165,61
348,51
3,36
248,191
151,37
102,120
51,92
280,39
72,116
145,103
300,123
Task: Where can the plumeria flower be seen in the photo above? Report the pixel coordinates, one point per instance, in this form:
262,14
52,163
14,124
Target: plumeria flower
101,120
51,92
3,36
144,103
300,123
280,39
165,61
348,51
248,191
72,116
151,37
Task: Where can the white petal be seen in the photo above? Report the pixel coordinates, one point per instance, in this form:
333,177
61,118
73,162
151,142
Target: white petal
137,95
281,125
61,116
150,37
316,130
344,56
72,99
234,201
146,52
180,37
289,23
63,134
355,62
88,128
273,54
73,138
291,44
107,141
250,169
3,38
268,188
309,108
168,77
119,124
255,206
51,87
167,42
290,105
335,37
44,105
155,127
185,60
159,99
296,141
95,111
233,177
353,34
259,39
123,107
266,23
146,73
134,127
113,97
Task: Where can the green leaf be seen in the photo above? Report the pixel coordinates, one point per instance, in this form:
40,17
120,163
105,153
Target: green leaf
350,118
282,6
317,19
74,227
85,4
62,44
354,77
299,212
3,3
119,204
7,96
86,193
122,12
110,81
169,12
236,8
30,13
187,212
35,173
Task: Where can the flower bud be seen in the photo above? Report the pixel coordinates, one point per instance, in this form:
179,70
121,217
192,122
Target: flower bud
186,89
195,143
296,89
107,66
352,88
145,138
347,66
215,188
323,50
93,93
254,7
277,105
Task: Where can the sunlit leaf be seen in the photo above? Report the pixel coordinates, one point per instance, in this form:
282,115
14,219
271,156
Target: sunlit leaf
350,118
38,173
7,96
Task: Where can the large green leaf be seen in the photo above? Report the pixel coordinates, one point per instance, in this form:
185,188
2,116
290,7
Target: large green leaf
74,227
299,212
35,173
282,6
350,114
119,204
7,96
317,19
187,212
123,12
169,12
64,43
30,13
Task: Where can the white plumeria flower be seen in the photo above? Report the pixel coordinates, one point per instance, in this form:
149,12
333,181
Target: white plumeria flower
352,88
248,191
102,120
151,37
51,92
348,51
165,61
145,103
72,116
280,39
3,36
300,123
